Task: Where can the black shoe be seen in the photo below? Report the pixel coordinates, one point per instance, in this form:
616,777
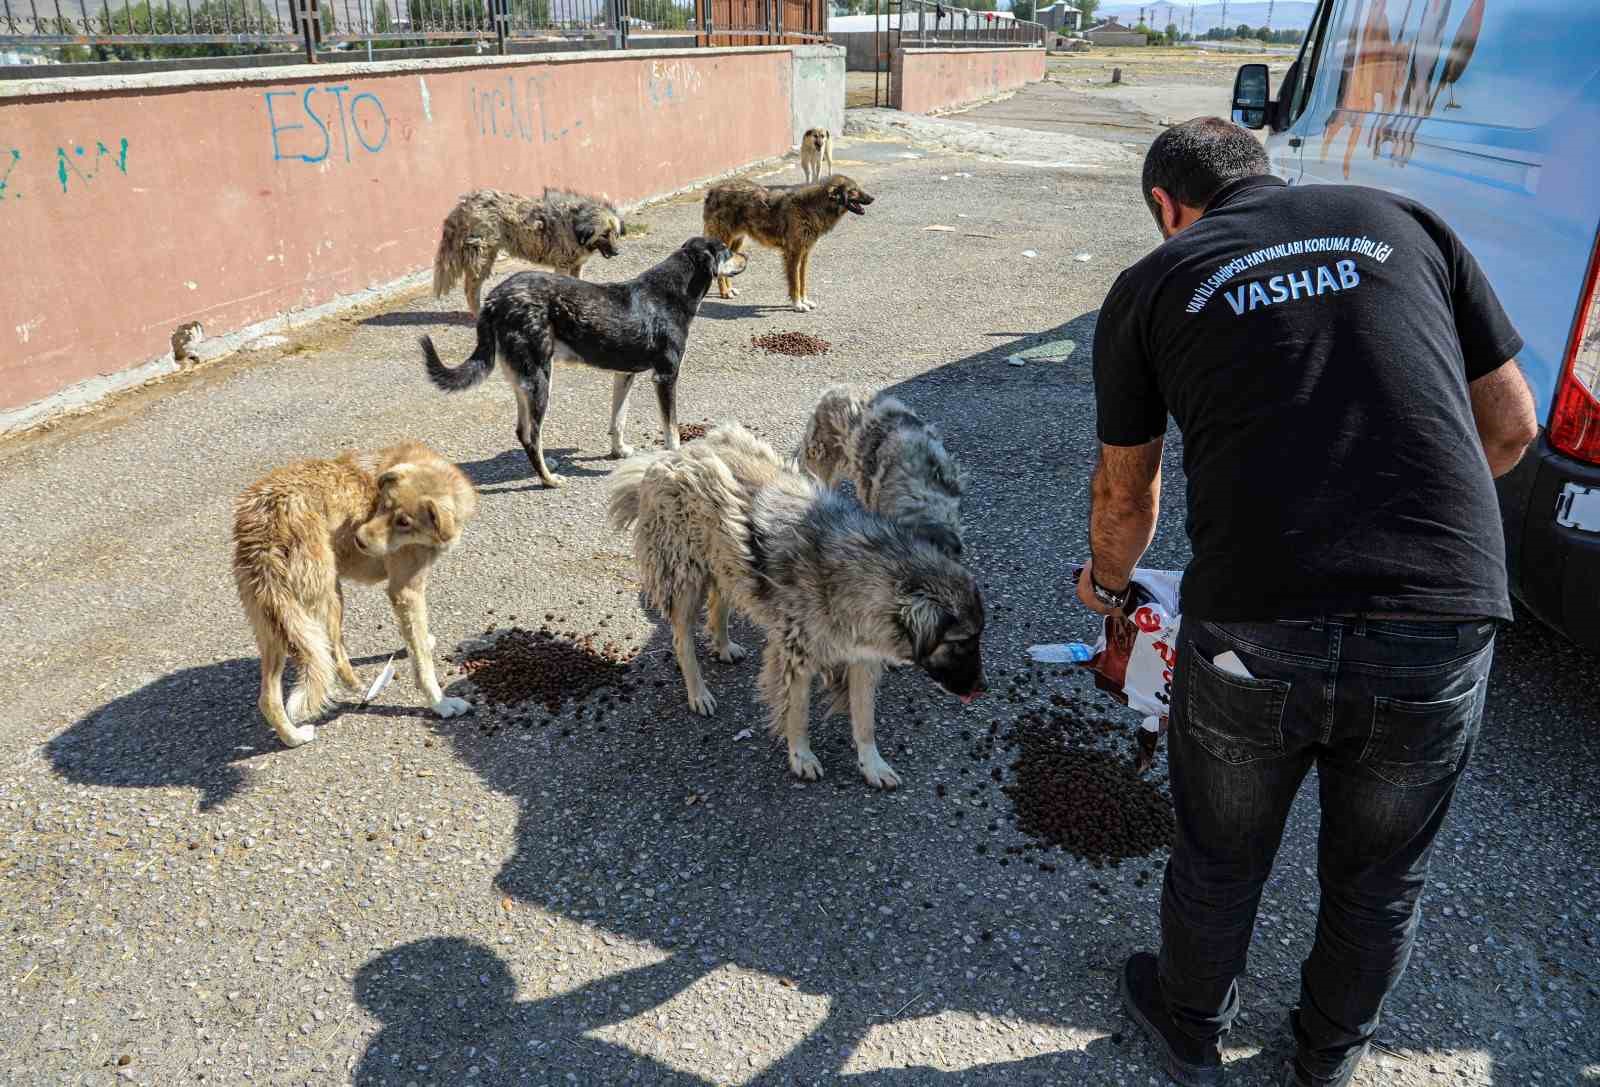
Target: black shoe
1189,1062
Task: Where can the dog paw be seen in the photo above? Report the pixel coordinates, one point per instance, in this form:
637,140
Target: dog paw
879,774
298,737
704,703
452,707
804,765
731,652
621,451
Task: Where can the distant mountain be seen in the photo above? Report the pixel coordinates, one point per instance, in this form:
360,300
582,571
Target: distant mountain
1286,14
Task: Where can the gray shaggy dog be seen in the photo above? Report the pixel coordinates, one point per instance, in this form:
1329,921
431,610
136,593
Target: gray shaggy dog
900,469
897,462
833,585
560,230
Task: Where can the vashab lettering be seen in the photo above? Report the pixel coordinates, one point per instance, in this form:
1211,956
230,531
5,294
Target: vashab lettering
1293,286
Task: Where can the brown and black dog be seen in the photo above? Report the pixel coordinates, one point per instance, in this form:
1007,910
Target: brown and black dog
788,217
386,516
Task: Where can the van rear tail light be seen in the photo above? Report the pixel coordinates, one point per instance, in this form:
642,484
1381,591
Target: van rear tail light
1575,423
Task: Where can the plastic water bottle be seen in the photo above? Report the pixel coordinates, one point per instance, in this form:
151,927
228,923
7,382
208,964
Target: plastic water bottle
1064,653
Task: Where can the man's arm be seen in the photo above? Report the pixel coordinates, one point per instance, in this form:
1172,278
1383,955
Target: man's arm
1502,406
1125,499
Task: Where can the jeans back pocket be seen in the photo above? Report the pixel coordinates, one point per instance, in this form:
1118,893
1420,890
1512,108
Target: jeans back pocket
1236,719
1420,743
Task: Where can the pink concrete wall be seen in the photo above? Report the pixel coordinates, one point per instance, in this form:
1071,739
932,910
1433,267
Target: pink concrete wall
130,205
934,79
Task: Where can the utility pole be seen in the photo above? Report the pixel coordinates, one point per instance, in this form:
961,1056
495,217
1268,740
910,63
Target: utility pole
1269,13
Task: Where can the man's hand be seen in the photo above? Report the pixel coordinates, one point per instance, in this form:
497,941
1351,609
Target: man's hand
1086,591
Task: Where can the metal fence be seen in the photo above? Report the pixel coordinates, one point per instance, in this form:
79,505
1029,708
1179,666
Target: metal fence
125,29
918,23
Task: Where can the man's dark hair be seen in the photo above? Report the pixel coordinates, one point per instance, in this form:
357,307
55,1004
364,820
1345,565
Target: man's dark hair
1194,160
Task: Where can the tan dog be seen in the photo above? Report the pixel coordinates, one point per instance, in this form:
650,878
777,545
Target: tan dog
297,533
560,230
816,149
788,217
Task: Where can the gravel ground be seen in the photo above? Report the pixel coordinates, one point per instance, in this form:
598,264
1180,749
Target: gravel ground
631,893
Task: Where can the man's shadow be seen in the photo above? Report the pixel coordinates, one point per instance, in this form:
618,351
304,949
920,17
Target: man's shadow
450,1015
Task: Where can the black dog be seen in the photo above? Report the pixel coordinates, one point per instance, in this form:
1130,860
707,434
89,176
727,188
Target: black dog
536,318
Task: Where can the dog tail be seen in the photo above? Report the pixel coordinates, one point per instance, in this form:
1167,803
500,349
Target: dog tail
449,263
469,373
627,482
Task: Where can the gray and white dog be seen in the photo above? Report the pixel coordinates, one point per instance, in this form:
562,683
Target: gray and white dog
559,230
831,584
900,469
895,460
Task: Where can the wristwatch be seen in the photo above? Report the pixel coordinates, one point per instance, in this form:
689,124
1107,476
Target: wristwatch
1111,598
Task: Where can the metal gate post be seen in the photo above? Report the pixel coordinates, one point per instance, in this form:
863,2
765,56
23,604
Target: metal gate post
502,15
310,29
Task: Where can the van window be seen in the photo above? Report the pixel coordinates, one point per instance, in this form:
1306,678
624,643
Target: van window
1306,66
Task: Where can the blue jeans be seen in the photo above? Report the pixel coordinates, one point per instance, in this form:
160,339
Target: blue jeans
1388,712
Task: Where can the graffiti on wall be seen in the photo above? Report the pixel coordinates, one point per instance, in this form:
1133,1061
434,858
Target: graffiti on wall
673,79
75,166
325,122
511,111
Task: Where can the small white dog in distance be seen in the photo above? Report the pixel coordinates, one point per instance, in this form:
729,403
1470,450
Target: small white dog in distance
816,149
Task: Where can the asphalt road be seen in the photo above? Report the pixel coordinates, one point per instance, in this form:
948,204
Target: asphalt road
639,895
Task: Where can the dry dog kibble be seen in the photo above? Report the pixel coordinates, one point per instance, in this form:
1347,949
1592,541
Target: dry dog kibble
790,343
540,664
688,432
1089,802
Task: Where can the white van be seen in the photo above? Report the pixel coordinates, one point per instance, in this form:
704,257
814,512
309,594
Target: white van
1488,112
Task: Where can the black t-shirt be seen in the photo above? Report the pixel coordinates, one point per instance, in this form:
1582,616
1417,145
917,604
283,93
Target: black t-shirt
1314,345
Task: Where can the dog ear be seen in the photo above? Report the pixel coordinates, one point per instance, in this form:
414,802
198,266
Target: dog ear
922,619
394,475
443,518
585,232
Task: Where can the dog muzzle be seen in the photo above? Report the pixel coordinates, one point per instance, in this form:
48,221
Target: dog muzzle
735,264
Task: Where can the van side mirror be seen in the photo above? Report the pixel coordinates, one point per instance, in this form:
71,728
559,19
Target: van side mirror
1250,96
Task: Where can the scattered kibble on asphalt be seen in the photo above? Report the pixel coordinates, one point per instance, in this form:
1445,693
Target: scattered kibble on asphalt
542,664
1089,802
790,343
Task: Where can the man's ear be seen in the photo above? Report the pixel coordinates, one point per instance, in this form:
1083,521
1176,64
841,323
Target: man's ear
1168,212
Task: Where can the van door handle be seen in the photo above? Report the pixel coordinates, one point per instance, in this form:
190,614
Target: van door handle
1295,141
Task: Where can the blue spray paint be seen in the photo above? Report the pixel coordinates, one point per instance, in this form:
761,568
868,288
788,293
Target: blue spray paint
349,116
67,167
5,178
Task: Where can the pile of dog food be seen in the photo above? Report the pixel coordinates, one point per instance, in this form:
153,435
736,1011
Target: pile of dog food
547,665
1090,802
790,343
688,432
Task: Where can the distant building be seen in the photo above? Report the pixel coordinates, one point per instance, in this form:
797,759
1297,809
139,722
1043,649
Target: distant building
1112,32
1059,16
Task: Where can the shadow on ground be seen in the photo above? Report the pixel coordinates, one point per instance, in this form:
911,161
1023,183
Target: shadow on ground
422,318
197,727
